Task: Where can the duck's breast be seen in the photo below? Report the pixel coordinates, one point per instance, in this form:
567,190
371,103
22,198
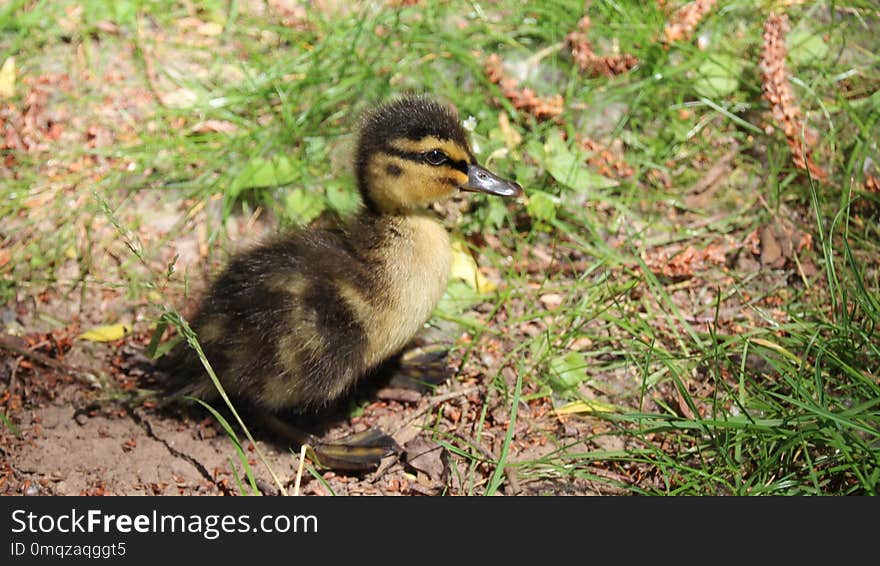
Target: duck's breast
414,261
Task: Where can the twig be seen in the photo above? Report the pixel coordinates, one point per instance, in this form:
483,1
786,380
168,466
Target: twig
299,470
14,373
8,343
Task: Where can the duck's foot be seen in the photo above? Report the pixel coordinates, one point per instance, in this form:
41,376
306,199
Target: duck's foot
362,451
421,369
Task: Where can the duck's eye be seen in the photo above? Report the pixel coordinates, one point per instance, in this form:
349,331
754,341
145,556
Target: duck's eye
435,157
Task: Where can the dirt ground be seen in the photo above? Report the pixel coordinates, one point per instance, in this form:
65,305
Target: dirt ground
74,439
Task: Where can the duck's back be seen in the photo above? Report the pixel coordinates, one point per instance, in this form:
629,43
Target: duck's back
296,321
273,327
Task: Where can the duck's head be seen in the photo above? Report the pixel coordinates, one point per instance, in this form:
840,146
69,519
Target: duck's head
413,152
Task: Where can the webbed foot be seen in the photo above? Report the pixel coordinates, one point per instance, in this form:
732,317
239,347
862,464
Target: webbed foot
421,369
360,451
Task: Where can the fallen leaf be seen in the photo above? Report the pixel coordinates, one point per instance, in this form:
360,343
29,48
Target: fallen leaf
465,268
106,333
7,78
459,297
581,344
780,243
398,394
568,371
570,169
771,249
512,138
805,47
718,76
425,456
107,26
261,172
214,126
587,406
551,300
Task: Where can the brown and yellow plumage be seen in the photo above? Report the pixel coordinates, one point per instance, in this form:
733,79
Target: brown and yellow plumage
295,322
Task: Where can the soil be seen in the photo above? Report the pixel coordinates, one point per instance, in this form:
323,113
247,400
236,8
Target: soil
72,438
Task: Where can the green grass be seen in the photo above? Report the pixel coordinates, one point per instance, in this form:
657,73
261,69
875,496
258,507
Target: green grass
715,393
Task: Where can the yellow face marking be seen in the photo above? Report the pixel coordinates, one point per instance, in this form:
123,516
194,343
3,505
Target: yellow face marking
452,150
397,183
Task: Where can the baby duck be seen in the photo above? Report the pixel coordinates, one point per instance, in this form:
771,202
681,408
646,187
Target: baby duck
297,321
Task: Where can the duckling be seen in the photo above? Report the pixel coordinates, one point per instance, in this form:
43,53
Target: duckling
295,322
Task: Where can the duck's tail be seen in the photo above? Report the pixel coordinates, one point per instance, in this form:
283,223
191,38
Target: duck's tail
181,375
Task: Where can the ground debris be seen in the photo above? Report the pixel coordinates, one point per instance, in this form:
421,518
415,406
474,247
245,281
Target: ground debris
678,263
608,161
777,91
429,458
524,99
591,63
781,243
682,24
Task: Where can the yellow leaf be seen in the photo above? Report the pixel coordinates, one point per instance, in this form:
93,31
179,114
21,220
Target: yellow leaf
778,348
512,138
465,268
107,333
587,406
7,78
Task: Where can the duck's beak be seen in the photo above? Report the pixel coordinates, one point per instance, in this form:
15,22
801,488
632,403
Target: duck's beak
481,180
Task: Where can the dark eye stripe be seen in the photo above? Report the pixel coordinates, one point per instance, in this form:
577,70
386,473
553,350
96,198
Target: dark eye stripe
460,165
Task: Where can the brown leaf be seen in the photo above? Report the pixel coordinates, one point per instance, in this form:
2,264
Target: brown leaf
425,456
214,126
551,300
772,255
107,26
